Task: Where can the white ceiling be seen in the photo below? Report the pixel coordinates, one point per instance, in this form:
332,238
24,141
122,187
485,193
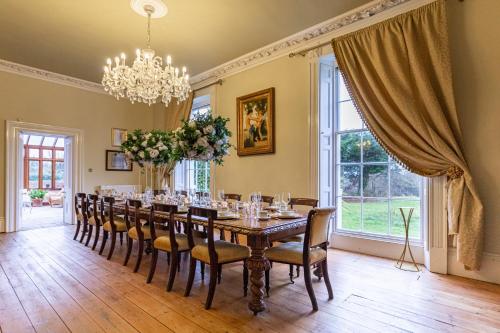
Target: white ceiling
74,37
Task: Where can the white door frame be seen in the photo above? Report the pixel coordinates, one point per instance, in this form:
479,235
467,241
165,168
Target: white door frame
13,131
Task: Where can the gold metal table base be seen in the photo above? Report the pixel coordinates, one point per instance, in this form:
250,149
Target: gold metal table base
401,260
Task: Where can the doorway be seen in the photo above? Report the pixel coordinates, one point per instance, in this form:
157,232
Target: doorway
43,190
43,174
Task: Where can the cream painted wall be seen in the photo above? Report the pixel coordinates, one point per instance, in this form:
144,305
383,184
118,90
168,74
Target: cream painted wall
37,101
475,50
287,169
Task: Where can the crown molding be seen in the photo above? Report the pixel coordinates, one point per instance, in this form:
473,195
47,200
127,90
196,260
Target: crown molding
366,15
40,74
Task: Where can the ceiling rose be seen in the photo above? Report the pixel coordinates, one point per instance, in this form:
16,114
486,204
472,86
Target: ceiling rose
146,80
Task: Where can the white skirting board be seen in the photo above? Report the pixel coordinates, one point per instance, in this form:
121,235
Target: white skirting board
2,224
490,267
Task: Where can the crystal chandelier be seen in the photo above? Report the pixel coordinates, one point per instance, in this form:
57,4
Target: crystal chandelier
147,79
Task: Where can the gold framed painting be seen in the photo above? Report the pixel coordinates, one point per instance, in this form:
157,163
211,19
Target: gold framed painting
118,136
255,114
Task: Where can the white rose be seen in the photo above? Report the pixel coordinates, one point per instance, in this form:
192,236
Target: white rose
134,138
144,144
141,154
219,142
209,129
134,148
202,141
192,124
198,132
154,153
191,154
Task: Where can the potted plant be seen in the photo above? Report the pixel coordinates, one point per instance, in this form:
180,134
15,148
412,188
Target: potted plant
37,197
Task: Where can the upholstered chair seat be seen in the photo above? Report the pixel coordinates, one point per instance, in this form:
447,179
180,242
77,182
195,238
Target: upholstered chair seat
292,253
79,217
163,242
92,220
120,226
226,252
132,232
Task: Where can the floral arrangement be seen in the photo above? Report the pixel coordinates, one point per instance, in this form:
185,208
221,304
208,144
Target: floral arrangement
153,147
204,138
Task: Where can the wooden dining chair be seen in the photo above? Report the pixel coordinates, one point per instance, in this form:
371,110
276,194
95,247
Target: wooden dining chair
173,243
137,231
265,198
214,253
81,215
234,235
111,224
93,219
313,251
298,238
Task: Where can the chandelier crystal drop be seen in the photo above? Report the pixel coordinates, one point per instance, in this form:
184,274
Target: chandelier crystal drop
147,80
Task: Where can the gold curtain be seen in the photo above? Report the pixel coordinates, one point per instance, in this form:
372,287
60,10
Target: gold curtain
399,76
175,113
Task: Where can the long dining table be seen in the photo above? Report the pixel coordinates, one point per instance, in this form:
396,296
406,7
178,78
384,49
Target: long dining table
259,235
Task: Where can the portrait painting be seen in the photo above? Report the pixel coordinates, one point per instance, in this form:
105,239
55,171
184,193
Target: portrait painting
255,131
117,161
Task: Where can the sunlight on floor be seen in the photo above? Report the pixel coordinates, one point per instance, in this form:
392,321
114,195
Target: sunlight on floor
41,217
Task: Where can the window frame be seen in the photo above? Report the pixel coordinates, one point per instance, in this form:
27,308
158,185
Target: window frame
54,160
336,179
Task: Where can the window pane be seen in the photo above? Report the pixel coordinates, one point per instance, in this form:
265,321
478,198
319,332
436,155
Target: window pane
397,228
47,174
25,138
372,151
342,93
404,183
375,181
376,216
60,142
35,140
34,153
33,174
59,175
350,147
48,141
60,154
348,117
350,176
47,153
350,218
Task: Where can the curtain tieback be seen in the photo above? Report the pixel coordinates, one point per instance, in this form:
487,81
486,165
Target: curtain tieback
454,172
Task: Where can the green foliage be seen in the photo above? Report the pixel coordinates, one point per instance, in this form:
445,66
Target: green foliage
152,147
37,194
204,138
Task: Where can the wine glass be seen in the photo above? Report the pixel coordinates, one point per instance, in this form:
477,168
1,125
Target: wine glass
220,195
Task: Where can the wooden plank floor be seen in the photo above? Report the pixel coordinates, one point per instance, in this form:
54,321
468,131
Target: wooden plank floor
50,283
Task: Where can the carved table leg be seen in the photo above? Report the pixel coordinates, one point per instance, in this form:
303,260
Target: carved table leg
257,264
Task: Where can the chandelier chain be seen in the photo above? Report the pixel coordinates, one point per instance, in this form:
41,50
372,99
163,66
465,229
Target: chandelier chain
149,30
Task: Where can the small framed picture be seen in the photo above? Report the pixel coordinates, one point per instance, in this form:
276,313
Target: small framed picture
118,136
255,131
117,161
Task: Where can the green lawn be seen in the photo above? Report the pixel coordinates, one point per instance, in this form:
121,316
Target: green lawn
376,216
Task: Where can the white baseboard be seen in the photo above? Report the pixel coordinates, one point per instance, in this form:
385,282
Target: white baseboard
2,224
490,267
